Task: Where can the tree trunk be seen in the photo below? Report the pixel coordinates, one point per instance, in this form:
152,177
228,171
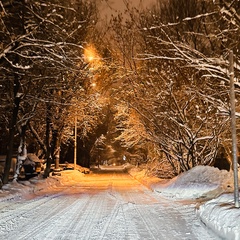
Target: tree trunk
56,148
17,100
37,137
48,142
22,151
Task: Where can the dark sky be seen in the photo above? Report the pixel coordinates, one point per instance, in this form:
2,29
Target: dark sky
109,7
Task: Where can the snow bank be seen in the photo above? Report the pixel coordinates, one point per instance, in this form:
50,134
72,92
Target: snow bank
15,190
205,183
199,182
221,216
70,177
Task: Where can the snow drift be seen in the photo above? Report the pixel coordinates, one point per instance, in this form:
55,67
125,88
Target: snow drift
199,182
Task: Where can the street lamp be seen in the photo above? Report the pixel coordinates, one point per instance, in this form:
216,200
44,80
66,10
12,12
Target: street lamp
234,131
92,57
75,143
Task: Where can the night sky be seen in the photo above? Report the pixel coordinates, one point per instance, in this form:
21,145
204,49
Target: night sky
109,7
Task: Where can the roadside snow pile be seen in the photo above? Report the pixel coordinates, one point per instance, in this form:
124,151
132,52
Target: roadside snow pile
15,190
138,173
206,183
199,182
70,177
221,216
142,176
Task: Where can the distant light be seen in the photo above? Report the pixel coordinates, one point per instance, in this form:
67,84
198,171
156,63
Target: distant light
90,58
90,54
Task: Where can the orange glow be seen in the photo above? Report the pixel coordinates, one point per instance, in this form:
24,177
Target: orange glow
94,84
91,56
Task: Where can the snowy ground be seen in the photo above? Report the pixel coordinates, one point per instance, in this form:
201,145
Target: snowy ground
113,205
213,191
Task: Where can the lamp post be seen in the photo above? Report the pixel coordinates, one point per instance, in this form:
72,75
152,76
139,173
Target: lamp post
234,132
75,143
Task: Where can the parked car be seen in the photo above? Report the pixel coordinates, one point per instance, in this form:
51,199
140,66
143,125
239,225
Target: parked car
32,165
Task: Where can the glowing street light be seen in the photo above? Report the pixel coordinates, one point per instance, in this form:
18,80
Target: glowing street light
89,53
92,57
93,84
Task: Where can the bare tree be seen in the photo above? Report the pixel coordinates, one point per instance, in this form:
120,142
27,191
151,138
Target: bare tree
179,88
41,44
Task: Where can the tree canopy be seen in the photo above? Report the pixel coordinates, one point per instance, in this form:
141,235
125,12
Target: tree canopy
151,84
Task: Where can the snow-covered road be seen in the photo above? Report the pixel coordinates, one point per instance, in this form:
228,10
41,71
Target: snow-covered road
105,205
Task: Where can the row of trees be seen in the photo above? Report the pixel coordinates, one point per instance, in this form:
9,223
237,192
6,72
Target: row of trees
177,80
158,88
44,76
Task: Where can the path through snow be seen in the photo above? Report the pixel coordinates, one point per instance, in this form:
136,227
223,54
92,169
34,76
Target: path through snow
105,205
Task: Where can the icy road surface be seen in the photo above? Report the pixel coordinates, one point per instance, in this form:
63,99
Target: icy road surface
105,205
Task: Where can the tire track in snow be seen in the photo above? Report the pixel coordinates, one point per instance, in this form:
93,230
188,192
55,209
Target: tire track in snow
95,213
158,218
45,207
15,214
116,207
61,225
102,217
144,225
112,223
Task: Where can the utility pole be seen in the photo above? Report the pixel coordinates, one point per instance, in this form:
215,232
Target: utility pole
75,143
233,129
